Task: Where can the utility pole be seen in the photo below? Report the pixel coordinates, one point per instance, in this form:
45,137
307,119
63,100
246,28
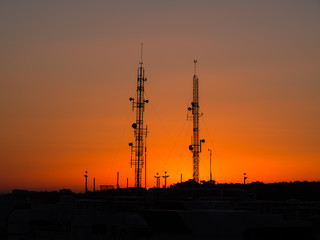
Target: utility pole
165,179
94,184
86,182
117,180
145,159
139,130
127,182
210,164
157,180
181,178
195,146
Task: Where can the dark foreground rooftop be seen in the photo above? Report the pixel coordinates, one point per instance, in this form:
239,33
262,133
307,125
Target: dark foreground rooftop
225,211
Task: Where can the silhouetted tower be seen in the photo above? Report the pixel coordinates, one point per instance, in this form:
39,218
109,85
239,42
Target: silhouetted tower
86,182
139,131
195,146
165,179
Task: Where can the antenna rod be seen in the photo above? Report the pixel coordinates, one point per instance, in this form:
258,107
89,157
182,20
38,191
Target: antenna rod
141,62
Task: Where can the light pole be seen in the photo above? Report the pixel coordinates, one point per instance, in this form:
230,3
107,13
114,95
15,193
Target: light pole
86,182
244,178
210,164
158,180
165,179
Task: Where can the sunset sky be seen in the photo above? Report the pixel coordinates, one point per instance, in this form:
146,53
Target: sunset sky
68,68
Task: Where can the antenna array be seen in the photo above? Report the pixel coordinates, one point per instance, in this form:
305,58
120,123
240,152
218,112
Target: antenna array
140,132
195,146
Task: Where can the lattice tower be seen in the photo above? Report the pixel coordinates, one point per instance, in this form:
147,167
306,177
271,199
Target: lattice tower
140,132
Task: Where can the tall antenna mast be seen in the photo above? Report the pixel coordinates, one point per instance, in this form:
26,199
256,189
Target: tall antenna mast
195,146
137,148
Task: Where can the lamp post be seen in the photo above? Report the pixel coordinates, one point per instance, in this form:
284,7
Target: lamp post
86,182
244,178
210,151
165,179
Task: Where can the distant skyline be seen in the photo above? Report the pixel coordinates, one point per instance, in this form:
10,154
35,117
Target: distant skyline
68,69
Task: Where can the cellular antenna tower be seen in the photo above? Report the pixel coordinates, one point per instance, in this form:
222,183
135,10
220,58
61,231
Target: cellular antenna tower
195,146
140,132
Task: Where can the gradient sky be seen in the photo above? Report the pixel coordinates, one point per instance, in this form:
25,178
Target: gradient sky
68,68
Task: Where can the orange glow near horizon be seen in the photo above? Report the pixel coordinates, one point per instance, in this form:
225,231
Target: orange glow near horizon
67,73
